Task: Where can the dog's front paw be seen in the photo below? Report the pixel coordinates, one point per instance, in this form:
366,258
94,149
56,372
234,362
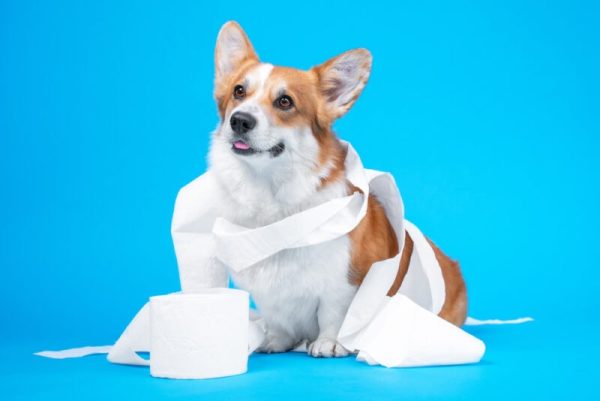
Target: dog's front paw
326,347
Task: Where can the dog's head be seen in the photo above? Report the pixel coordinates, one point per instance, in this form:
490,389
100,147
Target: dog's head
269,114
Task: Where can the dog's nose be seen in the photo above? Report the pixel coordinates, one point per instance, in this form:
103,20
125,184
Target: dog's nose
242,122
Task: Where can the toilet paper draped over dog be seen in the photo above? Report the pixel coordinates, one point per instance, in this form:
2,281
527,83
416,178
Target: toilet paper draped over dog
403,330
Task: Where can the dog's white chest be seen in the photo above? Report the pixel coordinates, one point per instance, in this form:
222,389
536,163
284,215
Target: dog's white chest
287,287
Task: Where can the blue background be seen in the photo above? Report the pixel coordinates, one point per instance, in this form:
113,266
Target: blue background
487,115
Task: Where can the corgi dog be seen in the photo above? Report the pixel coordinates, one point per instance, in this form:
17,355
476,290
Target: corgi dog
274,154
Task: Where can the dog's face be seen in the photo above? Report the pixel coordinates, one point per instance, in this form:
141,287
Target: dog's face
270,115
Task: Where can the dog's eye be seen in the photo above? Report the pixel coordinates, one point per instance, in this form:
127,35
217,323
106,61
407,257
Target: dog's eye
284,102
239,92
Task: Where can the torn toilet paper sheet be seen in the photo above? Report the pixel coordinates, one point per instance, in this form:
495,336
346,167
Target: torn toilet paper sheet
207,245
75,352
476,322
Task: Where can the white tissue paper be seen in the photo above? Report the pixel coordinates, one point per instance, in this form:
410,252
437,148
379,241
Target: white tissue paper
399,331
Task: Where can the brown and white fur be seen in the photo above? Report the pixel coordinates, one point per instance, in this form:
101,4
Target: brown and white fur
277,157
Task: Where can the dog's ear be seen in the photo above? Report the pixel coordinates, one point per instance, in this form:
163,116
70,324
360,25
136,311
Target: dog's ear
232,50
342,79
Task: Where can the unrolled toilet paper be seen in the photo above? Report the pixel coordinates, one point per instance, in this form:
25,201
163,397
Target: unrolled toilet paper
197,341
199,335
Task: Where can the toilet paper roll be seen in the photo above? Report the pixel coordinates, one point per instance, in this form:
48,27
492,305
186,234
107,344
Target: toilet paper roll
199,335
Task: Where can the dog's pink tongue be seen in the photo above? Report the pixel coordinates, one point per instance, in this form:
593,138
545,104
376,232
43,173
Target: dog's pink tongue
241,145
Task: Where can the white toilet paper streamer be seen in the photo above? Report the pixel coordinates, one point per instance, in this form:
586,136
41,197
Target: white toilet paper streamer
255,339
476,322
206,245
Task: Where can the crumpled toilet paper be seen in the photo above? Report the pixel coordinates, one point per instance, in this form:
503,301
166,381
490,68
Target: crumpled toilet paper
418,340
399,331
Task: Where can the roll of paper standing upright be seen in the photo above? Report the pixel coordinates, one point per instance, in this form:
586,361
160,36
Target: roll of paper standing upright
199,335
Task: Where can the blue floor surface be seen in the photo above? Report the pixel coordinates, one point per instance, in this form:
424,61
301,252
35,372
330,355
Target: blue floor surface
530,361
